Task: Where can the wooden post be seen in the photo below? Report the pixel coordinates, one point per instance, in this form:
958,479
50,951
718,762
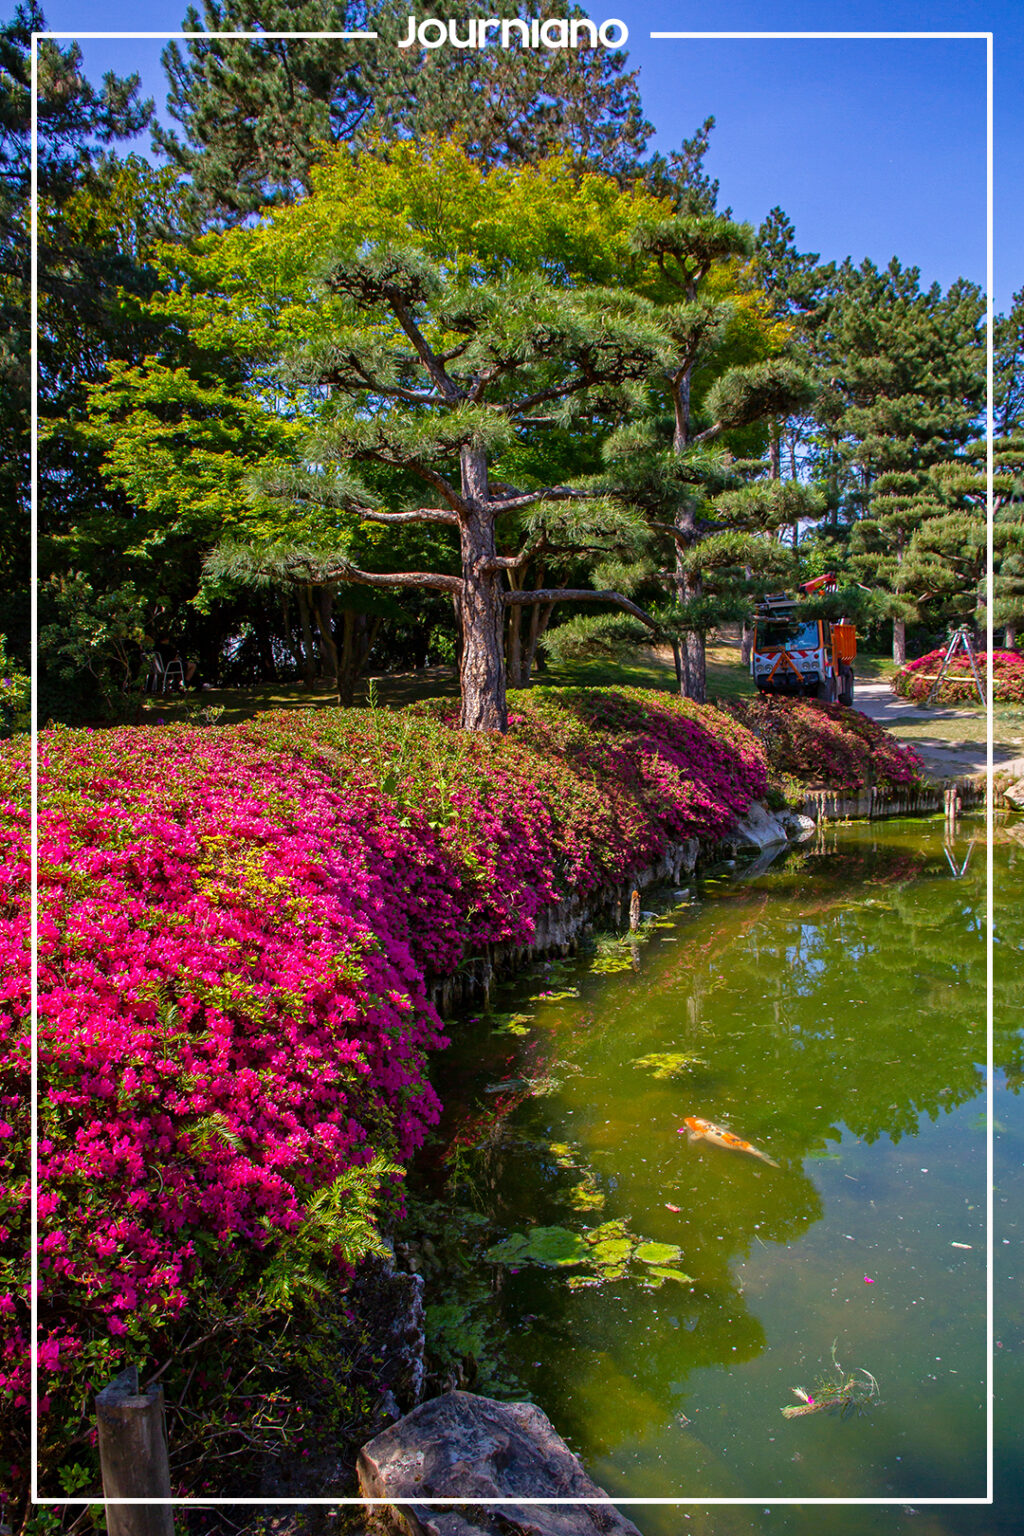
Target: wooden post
634,912
133,1457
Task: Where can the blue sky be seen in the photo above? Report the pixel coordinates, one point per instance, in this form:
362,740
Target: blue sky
873,147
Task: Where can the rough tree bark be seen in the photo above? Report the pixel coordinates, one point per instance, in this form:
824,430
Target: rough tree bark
482,668
899,641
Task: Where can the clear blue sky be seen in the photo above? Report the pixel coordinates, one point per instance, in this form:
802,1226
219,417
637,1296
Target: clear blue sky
873,147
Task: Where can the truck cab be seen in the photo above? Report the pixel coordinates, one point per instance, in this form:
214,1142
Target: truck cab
809,658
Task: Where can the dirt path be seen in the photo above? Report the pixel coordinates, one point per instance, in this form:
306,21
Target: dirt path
946,754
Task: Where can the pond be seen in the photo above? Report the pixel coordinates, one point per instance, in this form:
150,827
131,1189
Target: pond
662,1297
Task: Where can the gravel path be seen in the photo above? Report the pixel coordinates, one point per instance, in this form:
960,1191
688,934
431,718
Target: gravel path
947,759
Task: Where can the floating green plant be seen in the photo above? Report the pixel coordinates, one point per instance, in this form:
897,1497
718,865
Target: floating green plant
669,1064
657,1253
511,1023
606,1252
849,1391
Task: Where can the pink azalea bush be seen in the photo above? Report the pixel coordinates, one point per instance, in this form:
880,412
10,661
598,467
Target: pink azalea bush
237,928
914,680
826,745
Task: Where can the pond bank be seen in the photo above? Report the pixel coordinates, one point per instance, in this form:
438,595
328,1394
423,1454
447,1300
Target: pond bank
288,880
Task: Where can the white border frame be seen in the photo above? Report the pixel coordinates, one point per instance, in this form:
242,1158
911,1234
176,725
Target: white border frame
338,1502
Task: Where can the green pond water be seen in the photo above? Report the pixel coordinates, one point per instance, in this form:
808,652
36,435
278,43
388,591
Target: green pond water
660,1299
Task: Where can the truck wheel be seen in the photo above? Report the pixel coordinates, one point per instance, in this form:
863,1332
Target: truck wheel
846,686
826,690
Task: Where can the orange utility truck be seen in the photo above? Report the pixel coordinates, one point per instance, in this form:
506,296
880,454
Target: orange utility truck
812,658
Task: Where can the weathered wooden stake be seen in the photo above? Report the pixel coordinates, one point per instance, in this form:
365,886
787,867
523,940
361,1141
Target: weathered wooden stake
133,1457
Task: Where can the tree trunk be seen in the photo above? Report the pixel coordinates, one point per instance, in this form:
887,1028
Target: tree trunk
540,618
308,659
899,641
482,669
514,658
325,624
695,673
692,651
747,628
357,637
264,647
746,642
347,665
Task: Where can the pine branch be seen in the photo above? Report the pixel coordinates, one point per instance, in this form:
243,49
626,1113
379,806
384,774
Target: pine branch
576,595
342,570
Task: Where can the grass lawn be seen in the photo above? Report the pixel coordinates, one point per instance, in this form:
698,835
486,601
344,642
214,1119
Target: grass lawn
963,726
727,678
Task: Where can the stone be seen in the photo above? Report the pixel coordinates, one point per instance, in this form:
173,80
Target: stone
757,829
798,828
461,1446
1008,783
1014,794
390,1301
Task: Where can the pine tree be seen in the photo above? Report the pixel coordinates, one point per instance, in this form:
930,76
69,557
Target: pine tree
1009,369
256,116
481,363
902,375
705,553
452,321
80,263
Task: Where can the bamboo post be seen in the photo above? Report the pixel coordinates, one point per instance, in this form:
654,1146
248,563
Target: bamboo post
133,1457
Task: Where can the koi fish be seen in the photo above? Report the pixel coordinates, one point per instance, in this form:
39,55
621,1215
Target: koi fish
695,1129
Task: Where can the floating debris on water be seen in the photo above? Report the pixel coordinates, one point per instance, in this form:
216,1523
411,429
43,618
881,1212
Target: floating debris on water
850,1392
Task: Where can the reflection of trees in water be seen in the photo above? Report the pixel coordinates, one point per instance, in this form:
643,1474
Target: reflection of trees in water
1008,953
844,989
873,1000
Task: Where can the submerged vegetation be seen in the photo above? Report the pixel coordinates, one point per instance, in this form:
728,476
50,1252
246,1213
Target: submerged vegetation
237,930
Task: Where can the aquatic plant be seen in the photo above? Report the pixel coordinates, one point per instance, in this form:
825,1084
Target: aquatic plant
849,1391
604,1253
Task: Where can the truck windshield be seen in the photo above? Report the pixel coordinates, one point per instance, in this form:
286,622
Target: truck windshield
793,634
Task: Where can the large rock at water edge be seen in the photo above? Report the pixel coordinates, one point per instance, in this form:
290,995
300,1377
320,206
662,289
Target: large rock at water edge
1009,782
757,829
473,1449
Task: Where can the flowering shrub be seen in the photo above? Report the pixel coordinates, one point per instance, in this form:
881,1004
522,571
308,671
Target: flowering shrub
826,745
235,931
914,680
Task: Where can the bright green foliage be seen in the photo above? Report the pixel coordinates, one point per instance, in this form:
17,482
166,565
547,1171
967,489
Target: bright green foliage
258,116
458,319
180,448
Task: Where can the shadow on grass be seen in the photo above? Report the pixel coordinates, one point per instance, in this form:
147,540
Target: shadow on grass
727,678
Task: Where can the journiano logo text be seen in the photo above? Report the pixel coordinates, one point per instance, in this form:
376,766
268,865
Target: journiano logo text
431,32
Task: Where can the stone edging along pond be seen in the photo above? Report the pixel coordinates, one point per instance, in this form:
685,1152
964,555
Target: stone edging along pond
280,899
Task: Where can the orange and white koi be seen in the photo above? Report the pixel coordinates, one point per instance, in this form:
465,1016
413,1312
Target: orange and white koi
695,1129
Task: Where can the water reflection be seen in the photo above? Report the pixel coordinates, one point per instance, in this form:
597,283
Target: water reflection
830,1009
